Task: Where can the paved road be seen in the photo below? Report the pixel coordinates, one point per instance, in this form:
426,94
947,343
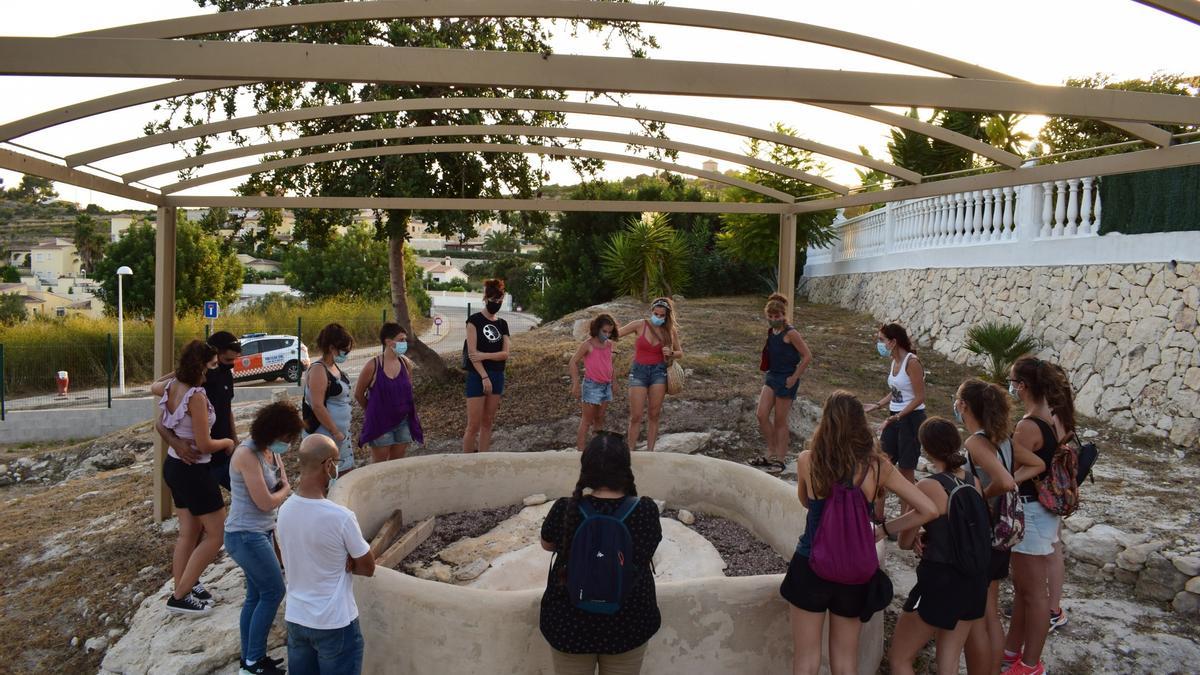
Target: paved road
448,340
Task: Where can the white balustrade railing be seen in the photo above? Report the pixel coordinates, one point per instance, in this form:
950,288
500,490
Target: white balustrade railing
1065,209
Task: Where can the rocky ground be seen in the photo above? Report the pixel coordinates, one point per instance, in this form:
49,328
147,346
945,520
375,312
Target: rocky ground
86,566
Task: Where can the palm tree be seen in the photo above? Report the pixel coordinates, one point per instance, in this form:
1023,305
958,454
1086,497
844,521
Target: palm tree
648,258
1002,132
1002,344
89,241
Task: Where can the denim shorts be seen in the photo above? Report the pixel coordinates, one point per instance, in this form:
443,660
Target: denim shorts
778,384
398,436
595,393
642,375
475,383
1041,530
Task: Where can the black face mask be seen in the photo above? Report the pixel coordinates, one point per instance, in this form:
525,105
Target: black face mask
493,306
224,366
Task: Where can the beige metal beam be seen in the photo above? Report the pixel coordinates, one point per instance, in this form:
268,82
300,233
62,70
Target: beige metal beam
477,130
22,163
391,150
1184,9
1158,158
439,204
164,339
373,107
125,57
224,22
931,130
787,260
96,106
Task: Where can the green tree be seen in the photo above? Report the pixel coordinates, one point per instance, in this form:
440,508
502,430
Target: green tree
1068,134
928,156
9,274
753,238
90,241
352,265
419,175
12,309
204,270
33,190
1002,132
647,258
501,242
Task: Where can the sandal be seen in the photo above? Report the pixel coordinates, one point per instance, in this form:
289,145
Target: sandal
775,466
758,460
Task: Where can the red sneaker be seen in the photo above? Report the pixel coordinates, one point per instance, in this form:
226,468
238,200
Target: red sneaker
1020,668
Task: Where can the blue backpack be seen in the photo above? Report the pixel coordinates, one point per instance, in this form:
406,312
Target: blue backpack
600,569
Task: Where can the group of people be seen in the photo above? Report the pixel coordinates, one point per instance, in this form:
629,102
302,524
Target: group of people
848,468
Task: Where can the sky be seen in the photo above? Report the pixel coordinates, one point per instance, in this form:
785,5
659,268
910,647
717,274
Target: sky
1043,42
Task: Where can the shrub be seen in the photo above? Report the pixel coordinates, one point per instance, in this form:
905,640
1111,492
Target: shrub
1001,344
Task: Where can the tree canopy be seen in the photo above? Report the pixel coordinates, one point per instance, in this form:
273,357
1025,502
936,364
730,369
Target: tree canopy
33,190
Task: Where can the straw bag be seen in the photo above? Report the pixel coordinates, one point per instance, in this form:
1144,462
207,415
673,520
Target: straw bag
675,378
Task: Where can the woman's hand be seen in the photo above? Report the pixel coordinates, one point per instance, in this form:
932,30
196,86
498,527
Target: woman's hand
476,357
338,436
487,386
891,419
880,535
576,390
791,381
667,352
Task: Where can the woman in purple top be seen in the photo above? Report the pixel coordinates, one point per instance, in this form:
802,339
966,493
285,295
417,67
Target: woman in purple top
385,392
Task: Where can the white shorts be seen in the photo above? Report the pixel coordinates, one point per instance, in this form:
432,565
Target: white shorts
1041,530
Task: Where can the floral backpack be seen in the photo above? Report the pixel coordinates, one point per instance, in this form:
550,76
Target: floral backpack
1058,487
1008,514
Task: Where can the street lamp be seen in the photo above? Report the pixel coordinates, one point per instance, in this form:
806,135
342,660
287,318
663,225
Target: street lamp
122,271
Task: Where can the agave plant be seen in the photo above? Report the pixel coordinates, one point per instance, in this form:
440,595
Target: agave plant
1002,344
648,258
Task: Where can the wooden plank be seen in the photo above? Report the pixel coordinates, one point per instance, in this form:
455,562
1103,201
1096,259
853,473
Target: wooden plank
164,339
408,543
387,534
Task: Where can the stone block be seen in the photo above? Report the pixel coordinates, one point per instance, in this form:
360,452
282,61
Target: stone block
1193,585
1159,580
1186,603
1098,545
1188,564
1089,395
1185,432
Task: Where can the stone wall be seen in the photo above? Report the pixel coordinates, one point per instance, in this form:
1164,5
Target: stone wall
1127,334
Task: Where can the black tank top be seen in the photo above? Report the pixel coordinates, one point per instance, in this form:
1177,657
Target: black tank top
1046,454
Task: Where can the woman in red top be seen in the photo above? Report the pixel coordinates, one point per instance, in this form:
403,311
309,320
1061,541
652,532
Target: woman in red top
657,341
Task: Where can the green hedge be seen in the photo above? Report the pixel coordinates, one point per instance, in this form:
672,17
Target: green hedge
1164,200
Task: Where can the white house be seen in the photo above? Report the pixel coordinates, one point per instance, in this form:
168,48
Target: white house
260,265
442,271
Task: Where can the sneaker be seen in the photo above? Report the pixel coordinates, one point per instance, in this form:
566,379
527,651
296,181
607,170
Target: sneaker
263,666
1008,661
1058,620
1021,669
201,592
188,604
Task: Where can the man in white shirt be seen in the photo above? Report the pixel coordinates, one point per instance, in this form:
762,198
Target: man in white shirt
322,547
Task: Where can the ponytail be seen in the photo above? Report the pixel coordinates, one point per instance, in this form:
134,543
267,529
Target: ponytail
940,440
989,405
1048,382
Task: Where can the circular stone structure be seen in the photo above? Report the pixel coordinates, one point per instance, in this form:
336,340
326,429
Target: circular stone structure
710,626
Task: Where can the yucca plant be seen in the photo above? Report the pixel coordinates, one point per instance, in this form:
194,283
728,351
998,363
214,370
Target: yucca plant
648,258
1001,344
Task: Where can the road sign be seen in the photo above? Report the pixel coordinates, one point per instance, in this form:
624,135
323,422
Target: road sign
211,309
437,321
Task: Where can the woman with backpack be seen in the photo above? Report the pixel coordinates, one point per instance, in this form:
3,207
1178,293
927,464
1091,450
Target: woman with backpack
835,561
984,409
657,343
905,401
952,578
385,392
327,393
1049,421
583,617
785,357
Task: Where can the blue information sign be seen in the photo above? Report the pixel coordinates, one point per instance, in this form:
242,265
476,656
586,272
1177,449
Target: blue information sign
211,309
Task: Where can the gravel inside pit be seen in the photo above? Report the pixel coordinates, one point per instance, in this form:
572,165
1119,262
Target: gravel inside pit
452,527
745,555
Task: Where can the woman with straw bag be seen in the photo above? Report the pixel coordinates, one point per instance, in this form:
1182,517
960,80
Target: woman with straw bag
656,353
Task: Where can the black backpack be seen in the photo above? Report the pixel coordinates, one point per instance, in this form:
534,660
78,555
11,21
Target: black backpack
969,524
332,388
600,569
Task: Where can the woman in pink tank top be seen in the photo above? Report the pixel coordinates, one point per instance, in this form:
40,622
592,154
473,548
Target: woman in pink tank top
597,388
658,340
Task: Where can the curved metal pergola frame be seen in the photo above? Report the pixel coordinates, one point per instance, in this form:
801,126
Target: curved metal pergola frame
151,50
450,148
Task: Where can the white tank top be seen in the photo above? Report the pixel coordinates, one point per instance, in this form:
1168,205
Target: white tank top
902,387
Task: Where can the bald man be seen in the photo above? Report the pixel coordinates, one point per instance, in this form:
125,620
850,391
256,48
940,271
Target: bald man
322,546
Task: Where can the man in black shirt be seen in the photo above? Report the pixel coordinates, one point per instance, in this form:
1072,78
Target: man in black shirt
218,386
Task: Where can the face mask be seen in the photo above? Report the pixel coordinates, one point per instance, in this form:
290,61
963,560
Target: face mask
1012,390
957,414
280,447
225,366
493,307
657,320
214,367
882,349
400,348
602,338
341,357
777,323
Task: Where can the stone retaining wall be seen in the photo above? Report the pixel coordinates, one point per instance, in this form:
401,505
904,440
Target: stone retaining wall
1127,334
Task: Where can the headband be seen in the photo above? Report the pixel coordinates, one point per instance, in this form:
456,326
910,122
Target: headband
660,303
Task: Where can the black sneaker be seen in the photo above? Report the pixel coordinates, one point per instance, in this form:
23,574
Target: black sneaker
201,592
264,666
188,604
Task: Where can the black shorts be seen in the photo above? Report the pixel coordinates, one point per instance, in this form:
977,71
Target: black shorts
900,440
943,596
804,589
219,468
193,487
998,568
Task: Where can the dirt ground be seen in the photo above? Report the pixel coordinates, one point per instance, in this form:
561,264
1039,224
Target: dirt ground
79,553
